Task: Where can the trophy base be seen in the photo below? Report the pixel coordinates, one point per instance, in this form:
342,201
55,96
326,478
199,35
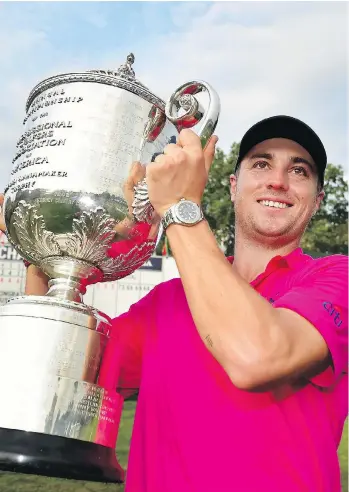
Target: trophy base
54,456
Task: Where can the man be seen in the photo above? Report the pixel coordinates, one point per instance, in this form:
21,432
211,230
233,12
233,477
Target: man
241,363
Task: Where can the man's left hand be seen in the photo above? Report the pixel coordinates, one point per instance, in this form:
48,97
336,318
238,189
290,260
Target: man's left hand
180,172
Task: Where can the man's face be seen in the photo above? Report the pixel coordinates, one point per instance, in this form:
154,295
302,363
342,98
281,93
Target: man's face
275,192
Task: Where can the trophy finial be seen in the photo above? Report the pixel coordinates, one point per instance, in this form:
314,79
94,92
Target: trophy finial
125,70
130,58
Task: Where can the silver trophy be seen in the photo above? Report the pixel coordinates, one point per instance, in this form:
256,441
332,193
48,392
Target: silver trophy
68,210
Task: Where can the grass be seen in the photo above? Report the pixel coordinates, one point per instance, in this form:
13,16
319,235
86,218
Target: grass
12,482
343,458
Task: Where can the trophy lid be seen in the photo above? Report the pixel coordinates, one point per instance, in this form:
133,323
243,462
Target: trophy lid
124,78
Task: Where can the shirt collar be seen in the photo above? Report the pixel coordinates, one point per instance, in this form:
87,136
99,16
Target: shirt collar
291,260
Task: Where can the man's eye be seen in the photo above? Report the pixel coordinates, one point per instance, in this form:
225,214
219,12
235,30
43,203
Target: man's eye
300,170
260,164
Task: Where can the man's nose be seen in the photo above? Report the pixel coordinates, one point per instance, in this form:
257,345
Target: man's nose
278,179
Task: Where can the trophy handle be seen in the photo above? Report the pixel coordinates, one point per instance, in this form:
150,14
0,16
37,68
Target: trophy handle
183,99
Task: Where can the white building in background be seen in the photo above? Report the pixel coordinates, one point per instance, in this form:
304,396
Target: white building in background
12,271
112,298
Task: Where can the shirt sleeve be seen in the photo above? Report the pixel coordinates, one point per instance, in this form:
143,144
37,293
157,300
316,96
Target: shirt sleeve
122,361
321,297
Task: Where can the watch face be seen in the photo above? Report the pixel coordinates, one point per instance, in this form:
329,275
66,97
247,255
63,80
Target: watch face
188,212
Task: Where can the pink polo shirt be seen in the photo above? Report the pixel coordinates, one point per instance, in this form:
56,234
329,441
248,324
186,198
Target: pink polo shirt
195,432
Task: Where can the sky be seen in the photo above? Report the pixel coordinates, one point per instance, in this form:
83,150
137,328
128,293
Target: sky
262,58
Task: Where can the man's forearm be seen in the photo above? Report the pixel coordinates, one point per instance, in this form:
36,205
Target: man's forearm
235,322
36,282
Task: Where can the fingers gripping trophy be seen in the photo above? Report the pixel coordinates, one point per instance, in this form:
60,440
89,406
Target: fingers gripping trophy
77,208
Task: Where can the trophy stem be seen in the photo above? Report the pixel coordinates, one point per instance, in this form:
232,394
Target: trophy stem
66,289
69,277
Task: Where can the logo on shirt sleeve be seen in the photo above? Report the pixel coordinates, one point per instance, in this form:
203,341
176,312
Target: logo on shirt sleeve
334,312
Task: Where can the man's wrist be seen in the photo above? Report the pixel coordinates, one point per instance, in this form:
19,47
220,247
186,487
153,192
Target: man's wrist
185,212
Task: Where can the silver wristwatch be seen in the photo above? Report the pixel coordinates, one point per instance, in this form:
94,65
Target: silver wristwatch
184,212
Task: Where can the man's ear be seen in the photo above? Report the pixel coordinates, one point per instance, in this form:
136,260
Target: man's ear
319,198
233,182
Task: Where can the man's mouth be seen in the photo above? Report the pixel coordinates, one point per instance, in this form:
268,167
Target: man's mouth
274,204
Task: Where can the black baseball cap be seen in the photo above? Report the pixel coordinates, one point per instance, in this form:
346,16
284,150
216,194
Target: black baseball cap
290,128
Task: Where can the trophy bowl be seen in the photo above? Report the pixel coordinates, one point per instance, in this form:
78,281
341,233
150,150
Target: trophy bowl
68,210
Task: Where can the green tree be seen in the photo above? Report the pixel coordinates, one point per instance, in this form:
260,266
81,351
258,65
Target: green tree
328,230
217,205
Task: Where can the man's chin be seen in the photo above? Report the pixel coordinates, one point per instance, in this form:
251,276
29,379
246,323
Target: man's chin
274,233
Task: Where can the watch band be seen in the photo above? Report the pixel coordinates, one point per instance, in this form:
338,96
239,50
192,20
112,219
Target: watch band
167,219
